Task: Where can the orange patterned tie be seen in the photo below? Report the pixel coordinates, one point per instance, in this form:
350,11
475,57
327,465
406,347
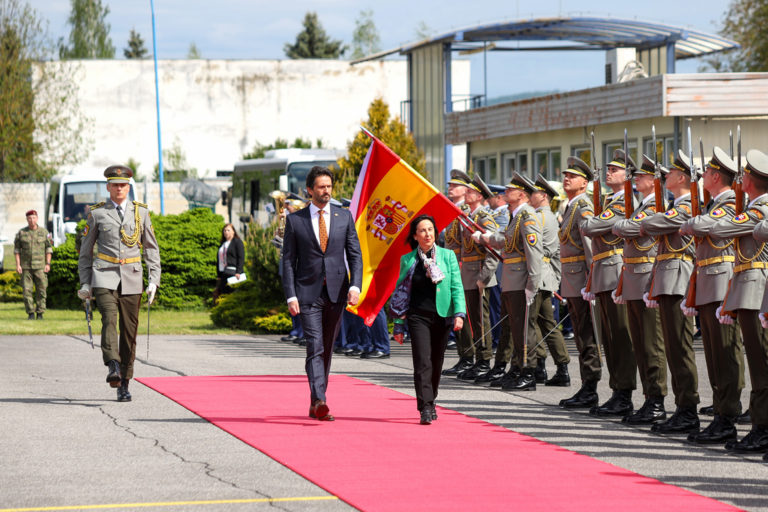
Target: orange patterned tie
322,230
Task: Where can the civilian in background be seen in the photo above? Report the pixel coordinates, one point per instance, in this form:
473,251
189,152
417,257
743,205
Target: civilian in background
229,259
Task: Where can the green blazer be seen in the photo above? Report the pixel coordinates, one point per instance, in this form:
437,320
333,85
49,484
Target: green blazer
450,292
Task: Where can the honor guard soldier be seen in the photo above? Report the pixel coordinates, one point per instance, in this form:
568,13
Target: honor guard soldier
457,188
33,251
607,251
113,274
522,254
541,200
575,259
478,273
723,350
746,294
671,276
639,256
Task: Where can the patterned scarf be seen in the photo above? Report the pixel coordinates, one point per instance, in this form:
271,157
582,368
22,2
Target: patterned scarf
430,265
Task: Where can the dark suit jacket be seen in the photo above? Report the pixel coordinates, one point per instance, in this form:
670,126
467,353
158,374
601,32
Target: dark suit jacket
305,266
235,257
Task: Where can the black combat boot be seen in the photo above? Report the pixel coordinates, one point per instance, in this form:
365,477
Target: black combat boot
650,412
561,377
463,365
481,367
508,378
540,372
526,382
620,404
721,430
584,398
113,377
123,395
496,373
755,441
683,421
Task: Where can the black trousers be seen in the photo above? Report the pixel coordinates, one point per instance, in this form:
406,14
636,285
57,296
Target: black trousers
321,321
429,335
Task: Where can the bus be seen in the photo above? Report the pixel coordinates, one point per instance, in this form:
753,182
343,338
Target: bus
67,197
280,169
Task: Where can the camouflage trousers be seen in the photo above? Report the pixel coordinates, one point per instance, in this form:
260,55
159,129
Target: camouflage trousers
34,284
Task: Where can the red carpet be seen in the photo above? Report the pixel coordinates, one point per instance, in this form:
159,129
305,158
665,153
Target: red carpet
376,456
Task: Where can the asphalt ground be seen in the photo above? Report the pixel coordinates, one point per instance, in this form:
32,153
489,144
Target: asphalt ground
67,444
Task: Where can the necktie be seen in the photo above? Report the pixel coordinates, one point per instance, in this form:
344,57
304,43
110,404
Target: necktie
120,212
322,230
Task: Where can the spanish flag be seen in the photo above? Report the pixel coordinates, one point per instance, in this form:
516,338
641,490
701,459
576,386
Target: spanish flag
388,194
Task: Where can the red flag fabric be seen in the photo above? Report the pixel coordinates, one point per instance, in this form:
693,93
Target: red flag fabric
388,194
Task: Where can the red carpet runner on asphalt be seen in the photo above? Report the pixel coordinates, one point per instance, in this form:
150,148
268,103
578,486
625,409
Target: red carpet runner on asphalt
376,456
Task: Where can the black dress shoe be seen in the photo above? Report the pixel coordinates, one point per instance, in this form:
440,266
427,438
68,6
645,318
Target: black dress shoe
433,411
496,373
378,354
354,353
560,378
31,316
302,342
744,419
722,429
650,412
683,421
620,404
755,441
426,416
707,410
123,395
39,316
584,398
113,375
508,378
339,350
450,345
568,335
526,382
289,337
462,365
480,368
540,372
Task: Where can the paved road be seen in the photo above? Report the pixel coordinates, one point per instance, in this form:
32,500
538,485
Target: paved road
66,442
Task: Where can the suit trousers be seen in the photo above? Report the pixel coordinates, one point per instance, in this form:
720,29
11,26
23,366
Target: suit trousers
617,342
724,354
542,333
648,343
116,307
429,335
477,311
590,367
678,342
321,321
756,347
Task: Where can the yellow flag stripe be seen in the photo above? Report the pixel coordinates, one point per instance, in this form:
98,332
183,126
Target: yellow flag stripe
172,503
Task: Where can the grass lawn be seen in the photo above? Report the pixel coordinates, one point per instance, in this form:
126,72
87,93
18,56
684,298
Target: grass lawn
9,260
13,320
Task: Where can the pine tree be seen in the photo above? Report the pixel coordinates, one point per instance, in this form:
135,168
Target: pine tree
89,38
313,42
136,48
193,52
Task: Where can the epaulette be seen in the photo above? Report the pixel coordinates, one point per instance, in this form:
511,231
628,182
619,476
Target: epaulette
685,208
757,213
465,208
136,203
97,205
583,203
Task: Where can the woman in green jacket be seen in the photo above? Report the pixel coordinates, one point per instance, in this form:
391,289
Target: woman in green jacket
429,296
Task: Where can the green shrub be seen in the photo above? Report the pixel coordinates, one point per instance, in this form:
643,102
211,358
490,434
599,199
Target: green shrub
10,286
273,324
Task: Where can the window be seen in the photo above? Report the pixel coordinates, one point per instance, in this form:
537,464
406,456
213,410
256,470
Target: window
610,147
516,161
486,168
547,162
583,152
665,151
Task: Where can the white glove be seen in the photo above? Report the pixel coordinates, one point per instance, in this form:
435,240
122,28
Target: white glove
763,320
84,292
686,310
476,235
530,295
649,303
151,289
724,319
618,299
587,296
685,229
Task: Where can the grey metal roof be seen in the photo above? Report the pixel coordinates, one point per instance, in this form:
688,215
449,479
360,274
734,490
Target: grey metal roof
584,33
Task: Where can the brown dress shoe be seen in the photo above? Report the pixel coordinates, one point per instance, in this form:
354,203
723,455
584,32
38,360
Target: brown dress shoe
320,411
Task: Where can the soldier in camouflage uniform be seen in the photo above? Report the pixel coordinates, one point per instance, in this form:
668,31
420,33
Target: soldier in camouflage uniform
33,251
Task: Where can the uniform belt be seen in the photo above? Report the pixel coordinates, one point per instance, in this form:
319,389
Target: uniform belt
573,259
112,259
472,258
514,260
607,254
674,256
639,259
716,259
750,265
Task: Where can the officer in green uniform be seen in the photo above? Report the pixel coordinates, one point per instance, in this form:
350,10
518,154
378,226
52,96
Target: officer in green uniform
32,249
113,274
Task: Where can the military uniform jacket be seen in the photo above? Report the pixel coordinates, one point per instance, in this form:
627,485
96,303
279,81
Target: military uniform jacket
607,248
118,261
477,264
501,217
32,245
714,256
639,252
453,234
550,268
674,260
747,285
575,246
522,250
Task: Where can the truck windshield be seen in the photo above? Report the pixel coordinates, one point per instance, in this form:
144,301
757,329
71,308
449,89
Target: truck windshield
81,194
297,173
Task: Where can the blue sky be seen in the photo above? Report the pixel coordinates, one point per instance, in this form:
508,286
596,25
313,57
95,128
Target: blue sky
258,29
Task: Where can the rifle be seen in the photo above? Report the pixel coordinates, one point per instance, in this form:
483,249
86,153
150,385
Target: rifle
658,187
629,206
88,317
738,183
597,203
690,300
473,226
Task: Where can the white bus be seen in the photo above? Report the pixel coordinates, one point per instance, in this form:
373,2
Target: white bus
68,195
280,169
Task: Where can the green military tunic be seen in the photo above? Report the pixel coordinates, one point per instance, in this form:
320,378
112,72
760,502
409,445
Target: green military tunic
32,246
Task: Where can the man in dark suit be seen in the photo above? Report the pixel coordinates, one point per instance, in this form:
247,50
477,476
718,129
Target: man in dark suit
319,242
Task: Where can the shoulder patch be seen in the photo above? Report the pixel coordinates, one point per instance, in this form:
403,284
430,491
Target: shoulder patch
87,228
671,213
532,239
757,213
607,214
740,218
98,205
639,216
717,213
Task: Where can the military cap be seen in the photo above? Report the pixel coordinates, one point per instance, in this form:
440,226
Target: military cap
479,185
497,189
118,174
648,167
30,212
682,163
543,185
522,183
620,160
720,161
757,163
576,165
459,178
